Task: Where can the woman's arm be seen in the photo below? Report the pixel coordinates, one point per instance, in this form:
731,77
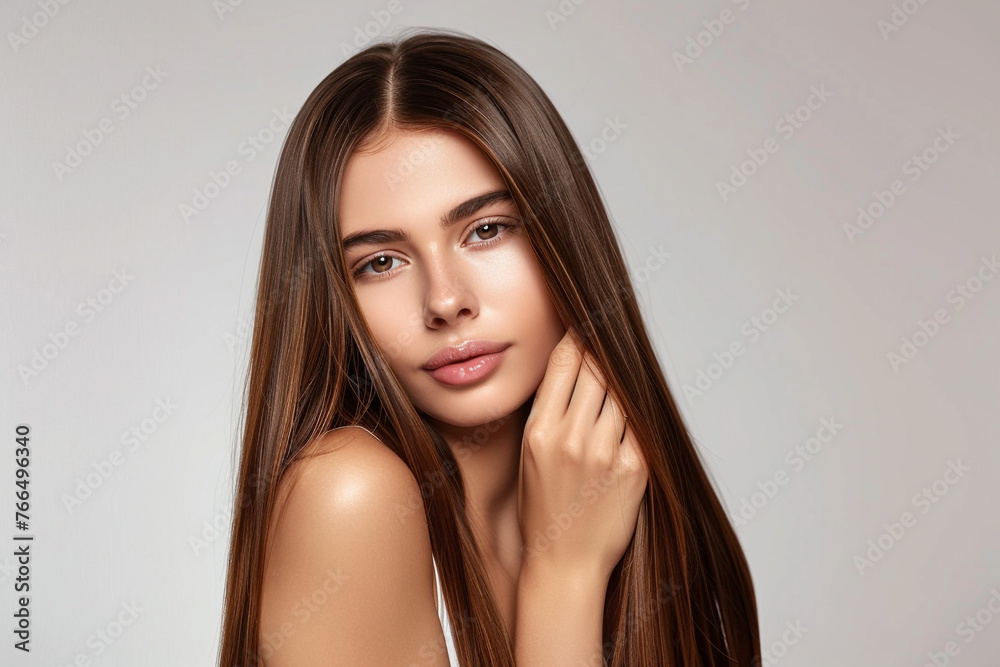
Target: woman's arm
583,474
559,617
347,582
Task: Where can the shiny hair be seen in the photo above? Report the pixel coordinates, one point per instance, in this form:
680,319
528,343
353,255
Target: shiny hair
682,592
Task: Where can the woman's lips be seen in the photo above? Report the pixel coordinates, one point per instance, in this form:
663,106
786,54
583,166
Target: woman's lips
469,370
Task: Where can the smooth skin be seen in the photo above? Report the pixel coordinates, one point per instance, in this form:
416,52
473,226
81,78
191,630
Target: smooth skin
582,480
476,279
338,511
346,582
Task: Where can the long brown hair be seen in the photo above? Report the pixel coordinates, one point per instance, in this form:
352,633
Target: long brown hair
682,592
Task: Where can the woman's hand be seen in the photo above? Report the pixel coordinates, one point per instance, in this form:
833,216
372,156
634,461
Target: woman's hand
582,474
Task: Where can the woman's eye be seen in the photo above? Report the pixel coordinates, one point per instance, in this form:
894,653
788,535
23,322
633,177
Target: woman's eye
491,230
381,264
488,233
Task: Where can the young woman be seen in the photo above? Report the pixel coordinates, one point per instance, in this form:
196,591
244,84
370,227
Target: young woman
452,396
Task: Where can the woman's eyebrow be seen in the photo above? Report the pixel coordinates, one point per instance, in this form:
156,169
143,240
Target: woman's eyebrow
464,210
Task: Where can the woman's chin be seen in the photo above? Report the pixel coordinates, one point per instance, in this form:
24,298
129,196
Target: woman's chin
488,419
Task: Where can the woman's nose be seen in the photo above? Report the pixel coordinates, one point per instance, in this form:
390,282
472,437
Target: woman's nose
449,296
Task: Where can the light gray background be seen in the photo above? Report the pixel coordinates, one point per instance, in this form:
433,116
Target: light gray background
174,333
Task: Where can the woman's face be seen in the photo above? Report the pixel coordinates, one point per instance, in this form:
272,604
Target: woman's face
424,285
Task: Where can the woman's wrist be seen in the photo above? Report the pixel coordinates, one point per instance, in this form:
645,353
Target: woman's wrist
560,615
579,578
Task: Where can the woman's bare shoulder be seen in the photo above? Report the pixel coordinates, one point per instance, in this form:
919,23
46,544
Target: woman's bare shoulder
349,576
350,451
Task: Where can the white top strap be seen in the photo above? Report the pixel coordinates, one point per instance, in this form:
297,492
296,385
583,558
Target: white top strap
442,608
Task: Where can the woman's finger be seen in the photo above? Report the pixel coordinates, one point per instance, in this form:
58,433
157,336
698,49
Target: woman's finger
588,395
612,419
553,394
630,455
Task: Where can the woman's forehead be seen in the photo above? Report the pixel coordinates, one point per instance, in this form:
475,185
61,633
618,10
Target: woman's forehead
412,176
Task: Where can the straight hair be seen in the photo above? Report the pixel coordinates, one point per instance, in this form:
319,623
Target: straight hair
681,595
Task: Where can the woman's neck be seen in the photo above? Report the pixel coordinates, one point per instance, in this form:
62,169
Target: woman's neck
489,457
